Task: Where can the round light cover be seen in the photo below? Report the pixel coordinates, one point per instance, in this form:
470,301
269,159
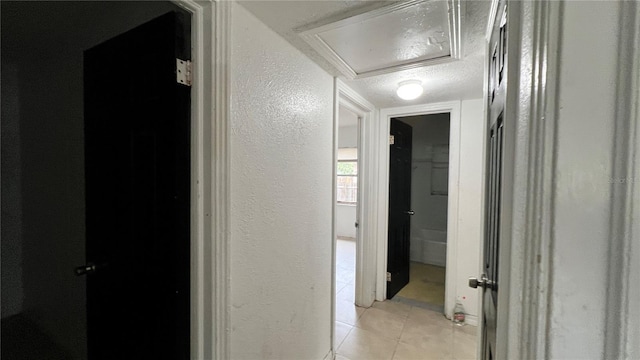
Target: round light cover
410,89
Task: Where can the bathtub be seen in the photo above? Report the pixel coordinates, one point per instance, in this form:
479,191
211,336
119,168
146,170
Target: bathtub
429,246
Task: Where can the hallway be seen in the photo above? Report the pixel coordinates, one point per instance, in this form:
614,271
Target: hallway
544,105
392,330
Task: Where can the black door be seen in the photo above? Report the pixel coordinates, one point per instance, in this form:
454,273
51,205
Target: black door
137,158
493,211
399,207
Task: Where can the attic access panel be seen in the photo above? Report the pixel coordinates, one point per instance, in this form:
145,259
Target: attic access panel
397,37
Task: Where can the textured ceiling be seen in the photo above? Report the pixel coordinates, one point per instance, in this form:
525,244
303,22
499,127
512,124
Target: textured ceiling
460,79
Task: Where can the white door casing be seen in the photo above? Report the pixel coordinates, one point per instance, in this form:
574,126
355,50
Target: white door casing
543,36
527,215
209,177
623,320
366,238
453,108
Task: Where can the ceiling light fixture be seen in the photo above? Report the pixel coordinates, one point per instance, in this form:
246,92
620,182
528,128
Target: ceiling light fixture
410,89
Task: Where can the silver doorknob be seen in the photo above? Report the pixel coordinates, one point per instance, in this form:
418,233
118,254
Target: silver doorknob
410,212
484,283
90,268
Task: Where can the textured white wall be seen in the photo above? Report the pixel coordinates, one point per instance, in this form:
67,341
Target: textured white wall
587,104
470,209
281,196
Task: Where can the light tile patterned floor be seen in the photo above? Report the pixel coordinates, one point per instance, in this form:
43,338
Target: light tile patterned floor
391,330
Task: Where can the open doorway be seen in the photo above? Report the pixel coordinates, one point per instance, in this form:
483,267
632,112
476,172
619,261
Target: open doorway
346,204
47,312
346,221
426,214
410,329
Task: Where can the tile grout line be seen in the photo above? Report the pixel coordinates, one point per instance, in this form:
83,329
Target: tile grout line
345,338
395,349
404,324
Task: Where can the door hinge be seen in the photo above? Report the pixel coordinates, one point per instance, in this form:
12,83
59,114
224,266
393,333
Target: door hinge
392,139
183,72
388,277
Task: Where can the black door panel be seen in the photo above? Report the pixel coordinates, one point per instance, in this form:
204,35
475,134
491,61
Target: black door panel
399,235
494,187
137,154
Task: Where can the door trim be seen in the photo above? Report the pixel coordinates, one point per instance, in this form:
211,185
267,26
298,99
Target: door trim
210,24
525,271
623,316
365,280
366,111
526,278
453,108
525,260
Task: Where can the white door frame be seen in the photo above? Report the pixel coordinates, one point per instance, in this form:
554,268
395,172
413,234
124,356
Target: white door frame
533,102
365,280
365,237
453,108
209,177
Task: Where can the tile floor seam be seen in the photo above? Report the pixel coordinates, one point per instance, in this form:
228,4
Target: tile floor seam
358,318
406,316
394,350
396,313
404,324
344,339
371,330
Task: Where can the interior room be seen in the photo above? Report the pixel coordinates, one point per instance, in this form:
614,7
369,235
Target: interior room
44,303
43,156
429,198
346,205
413,321
525,89
424,294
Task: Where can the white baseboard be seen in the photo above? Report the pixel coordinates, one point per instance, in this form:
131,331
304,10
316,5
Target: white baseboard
471,320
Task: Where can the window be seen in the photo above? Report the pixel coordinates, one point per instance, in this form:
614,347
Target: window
347,176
